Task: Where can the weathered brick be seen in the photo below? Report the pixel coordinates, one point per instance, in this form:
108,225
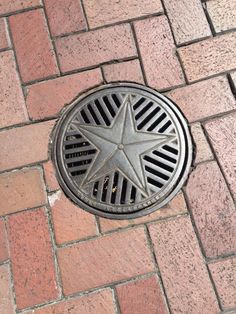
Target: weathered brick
47,98
4,254
6,297
95,47
176,206
8,6
64,16
21,189
182,267
204,99
32,259
34,51
209,57
107,11
12,103
4,36
24,145
50,176
188,20
93,303
222,14
157,49
124,71
141,296
203,151
224,275
222,134
124,255
70,222
213,210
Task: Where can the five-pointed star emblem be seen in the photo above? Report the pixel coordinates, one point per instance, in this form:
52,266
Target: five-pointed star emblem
120,147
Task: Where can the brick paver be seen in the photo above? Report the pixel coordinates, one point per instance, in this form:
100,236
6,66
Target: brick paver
4,35
222,134
203,150
21,189
34,51
204,99
157,49
123,255
124,71
70,222
33,266
65,16
108,12
8,6
183,270
224,276
95,47
141,296
213,210
47,98
31,141
12,103
54,256
187,19
101,302
207,57
4,252
50,176
222,14
6,295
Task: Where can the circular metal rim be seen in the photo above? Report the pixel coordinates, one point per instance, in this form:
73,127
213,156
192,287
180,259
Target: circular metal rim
149,209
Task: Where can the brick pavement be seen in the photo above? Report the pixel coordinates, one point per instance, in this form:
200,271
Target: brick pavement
56,258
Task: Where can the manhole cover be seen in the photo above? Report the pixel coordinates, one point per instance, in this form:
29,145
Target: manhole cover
122,151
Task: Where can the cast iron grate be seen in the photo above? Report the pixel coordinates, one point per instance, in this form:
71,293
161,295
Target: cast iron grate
122,151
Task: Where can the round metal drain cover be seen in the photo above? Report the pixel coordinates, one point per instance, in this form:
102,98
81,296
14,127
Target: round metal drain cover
122,151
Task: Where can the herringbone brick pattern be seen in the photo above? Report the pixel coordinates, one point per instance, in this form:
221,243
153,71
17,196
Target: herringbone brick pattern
56,258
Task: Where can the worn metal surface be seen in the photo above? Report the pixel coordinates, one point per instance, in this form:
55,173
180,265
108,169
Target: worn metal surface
122,151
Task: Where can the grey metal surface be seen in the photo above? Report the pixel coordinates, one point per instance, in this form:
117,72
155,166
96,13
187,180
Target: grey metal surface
122,151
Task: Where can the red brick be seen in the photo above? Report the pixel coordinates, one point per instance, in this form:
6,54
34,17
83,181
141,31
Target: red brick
176,206
222,14
24,145
124,71
50,176
34,51
107,11
48,98
32,258
64,16
203,151
8,6
213,210
4,36
12,103
93,303
70,222
188,20
94,47
204,99
4,254
224,275
141,296
158,52
21,189
209,57
104,260
182,267
6,297
222,134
